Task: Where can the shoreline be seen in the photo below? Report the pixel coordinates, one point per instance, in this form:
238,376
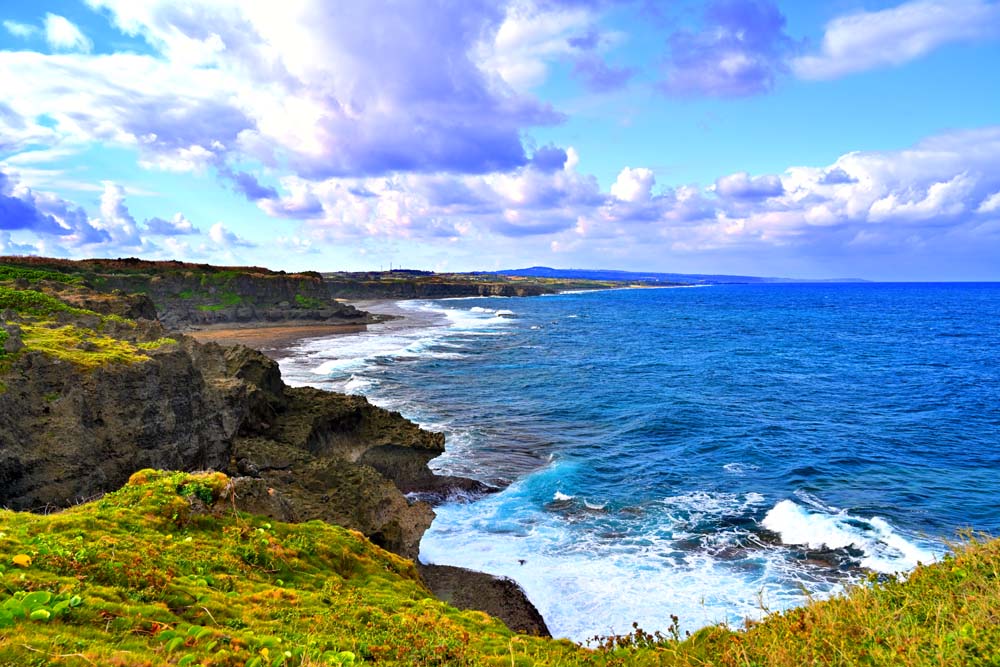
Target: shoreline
464,588
275,338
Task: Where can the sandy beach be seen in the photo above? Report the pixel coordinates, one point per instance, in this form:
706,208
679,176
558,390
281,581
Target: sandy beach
273,339
265,338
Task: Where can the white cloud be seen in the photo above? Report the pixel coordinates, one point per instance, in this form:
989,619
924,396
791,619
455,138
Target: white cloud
868,40
328,88
530,38
633,185
22,30
991,204
116,219
63,35
226,239
178,226
742,186
8,246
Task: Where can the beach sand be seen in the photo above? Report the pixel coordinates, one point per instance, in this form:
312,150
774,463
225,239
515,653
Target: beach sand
275,339
266,338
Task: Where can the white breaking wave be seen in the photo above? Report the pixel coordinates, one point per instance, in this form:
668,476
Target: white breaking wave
597,572
884,549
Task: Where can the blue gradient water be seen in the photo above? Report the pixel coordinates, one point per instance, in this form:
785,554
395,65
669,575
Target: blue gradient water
704,452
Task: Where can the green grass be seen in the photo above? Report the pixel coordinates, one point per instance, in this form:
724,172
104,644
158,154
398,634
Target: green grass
226,300
30,302
164,571
8,272
303,301
82,347
156,344
145,576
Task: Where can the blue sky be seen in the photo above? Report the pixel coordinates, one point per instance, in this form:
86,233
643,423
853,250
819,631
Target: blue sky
847,138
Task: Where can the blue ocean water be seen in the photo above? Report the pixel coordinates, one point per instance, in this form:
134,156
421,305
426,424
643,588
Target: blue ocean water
707,452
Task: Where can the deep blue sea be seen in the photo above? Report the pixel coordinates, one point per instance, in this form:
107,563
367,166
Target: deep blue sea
707,452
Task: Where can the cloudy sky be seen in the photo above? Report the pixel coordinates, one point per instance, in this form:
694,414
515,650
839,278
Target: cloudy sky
847,138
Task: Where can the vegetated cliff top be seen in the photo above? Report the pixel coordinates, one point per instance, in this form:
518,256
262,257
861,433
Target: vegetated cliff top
136,266
166,572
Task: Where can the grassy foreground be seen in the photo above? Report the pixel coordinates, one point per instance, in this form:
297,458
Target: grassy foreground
164,571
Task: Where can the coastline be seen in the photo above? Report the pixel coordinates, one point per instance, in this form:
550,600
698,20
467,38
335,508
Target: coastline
267,338
275,339
499,596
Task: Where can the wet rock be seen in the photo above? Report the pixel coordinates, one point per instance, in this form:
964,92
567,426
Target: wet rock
497,596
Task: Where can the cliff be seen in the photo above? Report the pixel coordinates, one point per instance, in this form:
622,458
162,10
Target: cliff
87,397
184,295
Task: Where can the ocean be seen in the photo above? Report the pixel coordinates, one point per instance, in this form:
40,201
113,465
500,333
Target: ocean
712,453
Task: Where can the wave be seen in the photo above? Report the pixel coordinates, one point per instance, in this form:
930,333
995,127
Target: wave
884,550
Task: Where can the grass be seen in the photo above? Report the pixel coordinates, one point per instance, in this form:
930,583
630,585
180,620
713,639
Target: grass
226,300
8,272
148,576
38,304
156,344
82,347
303,301
164,571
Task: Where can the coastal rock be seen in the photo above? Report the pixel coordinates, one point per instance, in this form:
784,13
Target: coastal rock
407,468
67,434
12,343
497,596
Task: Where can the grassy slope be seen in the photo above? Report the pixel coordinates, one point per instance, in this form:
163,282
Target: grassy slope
72,341
164,572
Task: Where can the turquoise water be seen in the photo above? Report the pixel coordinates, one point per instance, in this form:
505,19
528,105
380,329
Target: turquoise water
706,452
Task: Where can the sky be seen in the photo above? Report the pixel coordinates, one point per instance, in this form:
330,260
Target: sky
838,139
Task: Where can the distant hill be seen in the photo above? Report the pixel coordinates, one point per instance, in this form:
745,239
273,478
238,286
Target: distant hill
652,277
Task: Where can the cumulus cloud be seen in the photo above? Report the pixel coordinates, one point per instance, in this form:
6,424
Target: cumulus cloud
633,185
740,50
867,40
742,186
44,214
22,30
177,226
10,247
944,189
327,88
247,185
63,35
991,204
19,210
224,238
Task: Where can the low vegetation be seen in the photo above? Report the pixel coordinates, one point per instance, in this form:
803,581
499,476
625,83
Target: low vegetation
166,572
71,334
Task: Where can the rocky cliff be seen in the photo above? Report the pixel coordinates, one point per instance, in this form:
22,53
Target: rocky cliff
89,396
188,295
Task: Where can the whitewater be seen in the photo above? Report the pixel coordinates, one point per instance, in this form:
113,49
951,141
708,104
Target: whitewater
712,454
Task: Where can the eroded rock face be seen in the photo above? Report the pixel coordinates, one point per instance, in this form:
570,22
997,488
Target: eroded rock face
497,596
67,434
295,454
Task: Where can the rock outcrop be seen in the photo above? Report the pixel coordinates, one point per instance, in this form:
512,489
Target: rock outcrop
68,434
77,421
